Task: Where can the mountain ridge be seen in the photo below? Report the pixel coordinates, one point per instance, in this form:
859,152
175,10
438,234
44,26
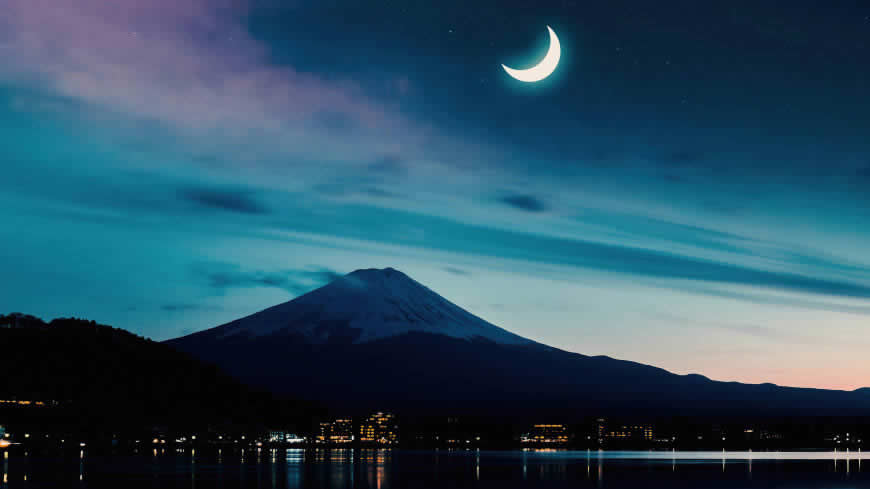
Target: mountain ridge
314,352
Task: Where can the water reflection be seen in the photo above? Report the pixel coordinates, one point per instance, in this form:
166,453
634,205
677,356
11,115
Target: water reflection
477,466
525,466
374,463
600,468
295,458
298,468
5,479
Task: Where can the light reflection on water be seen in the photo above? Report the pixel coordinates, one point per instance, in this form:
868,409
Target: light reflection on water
384,469
709,455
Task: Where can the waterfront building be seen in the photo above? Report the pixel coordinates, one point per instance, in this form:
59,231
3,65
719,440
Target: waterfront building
285,437
339,431
23,403
632,432
546,434
379,428
293,438
601,429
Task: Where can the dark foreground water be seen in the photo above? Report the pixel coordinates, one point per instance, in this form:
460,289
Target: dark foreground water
266,468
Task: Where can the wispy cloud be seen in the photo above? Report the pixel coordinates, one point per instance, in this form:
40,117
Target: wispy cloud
736,265
776,335
754,297
190,63
528,203
222,276
232,200
187,307
457,271
389,165
193,69
742,328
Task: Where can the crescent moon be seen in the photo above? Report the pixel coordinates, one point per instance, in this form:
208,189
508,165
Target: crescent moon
543,69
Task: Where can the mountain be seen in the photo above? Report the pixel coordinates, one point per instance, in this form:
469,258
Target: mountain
376,339
361,307
93,375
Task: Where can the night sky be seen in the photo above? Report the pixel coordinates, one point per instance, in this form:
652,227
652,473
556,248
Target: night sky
689,189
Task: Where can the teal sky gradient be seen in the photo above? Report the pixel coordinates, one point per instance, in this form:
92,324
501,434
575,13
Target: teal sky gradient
686,196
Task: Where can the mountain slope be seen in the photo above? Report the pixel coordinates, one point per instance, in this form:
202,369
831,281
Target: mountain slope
364,306
376,339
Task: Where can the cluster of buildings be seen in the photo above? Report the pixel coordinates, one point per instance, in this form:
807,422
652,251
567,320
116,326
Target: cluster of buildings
339,432
4,437
844,439
18,402
280,437
624,432
381,430
378,429
546,434
604,433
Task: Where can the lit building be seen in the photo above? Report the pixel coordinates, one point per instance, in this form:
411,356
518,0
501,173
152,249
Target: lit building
284,437
457,433
25,403
632,432
546,434
339,431
293,438
323,432
379,428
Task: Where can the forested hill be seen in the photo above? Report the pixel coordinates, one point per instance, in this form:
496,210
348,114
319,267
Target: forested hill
94,373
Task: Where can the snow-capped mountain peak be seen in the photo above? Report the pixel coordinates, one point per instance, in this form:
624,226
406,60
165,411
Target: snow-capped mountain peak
367,305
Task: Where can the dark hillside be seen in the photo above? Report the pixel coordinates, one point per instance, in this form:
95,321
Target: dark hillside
92,374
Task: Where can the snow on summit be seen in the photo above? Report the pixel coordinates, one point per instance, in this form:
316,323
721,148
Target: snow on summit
363,306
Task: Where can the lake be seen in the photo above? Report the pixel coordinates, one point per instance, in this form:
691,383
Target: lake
208,467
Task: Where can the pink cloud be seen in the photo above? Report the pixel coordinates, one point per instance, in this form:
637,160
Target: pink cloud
192,67
186,62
